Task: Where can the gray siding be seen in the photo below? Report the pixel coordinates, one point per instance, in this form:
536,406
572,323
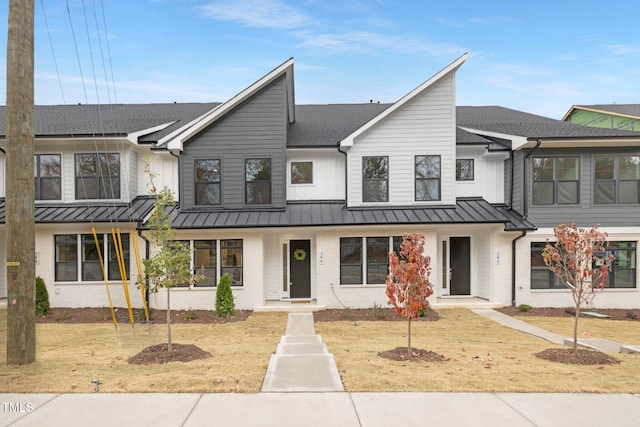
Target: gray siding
507,180
518,176
255,129
585,213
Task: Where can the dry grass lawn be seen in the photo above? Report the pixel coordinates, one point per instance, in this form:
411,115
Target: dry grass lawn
70,356
626,332
482,356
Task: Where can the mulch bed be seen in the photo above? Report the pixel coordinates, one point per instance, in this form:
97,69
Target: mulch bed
582,356
160,354
103,315
400,354
613,313
363,314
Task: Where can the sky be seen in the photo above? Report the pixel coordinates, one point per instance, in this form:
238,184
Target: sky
541,57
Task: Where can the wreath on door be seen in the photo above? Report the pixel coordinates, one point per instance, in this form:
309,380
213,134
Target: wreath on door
300,254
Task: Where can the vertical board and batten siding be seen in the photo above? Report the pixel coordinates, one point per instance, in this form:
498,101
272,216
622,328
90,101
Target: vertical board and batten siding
506,171
518,183
164,165
488,181
255,129
130,184
423,126
328,175
585,213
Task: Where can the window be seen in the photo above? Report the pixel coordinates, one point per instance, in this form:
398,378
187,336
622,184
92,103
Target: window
623,268
464,170
205,258
69,248
47,173
622,272
97,176
257,181
555,180
207,175
301,172
617,180
350,260
427,178
375,179
231,260
375,258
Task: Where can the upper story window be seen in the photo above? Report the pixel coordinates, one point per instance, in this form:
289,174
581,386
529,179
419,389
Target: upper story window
616,179
97,176
257,181
555,180
375,179
428,175
301,172
464,170
47,173
207,175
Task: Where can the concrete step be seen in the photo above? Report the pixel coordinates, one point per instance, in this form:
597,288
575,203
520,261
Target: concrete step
302,373
302,348
300,339
300,324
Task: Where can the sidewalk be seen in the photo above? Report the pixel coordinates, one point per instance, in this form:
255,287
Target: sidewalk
321,409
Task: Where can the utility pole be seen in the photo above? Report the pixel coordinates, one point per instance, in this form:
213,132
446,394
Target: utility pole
20,222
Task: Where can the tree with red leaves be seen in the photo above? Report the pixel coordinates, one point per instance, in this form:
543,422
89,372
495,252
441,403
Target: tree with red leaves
574,258
408,285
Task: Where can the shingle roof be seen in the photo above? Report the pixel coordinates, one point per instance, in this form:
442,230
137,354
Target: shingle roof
627,109
467,211
111,120
137,210
325,125
513,122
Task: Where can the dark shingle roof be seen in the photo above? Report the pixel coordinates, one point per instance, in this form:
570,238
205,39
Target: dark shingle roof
627,109
513,122
137,210
467,211
325,125
110,120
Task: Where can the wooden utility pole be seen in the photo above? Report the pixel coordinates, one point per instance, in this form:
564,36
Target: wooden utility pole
20,223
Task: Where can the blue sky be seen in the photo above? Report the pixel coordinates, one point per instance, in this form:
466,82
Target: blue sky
540,57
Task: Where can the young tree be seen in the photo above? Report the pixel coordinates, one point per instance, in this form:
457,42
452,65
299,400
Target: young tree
170,265
408,285
574,259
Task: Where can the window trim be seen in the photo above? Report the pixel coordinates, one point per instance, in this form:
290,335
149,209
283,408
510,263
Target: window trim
416,179
38,178
555,180
375,180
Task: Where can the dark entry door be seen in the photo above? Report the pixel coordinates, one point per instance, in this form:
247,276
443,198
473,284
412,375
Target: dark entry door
460,266
300,268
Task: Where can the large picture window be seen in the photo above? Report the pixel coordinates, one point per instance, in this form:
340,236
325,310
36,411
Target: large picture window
375,179
97,176
69,248
257,181
366,258
207,176
428,176
555,180
47,173
616,179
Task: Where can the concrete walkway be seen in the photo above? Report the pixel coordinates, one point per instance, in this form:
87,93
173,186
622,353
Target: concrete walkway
302,362
320,409
600,344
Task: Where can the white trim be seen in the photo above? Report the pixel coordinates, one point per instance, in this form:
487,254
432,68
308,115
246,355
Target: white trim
133,136
178,138
516,140
348,141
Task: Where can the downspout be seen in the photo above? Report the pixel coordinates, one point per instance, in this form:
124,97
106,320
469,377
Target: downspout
345,173
524,179
511,160
513,266
146,256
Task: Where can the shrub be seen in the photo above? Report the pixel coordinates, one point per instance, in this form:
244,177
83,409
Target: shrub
190,314
42,297
378,312
224,298
524,307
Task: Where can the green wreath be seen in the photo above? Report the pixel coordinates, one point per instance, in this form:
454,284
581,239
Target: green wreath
299,254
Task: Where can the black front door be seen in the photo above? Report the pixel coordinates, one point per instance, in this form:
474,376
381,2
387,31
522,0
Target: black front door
460,266
300,268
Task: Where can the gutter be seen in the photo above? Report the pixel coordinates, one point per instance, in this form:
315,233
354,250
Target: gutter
525,207
513,266
345,173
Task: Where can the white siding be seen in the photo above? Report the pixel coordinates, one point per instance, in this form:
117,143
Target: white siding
328,175
424,126
488,181
163,164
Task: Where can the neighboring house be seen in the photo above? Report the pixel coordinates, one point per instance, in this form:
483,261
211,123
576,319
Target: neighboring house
302,203
611,116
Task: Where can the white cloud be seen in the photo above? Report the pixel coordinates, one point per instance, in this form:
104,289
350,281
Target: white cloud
256,13
622,49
